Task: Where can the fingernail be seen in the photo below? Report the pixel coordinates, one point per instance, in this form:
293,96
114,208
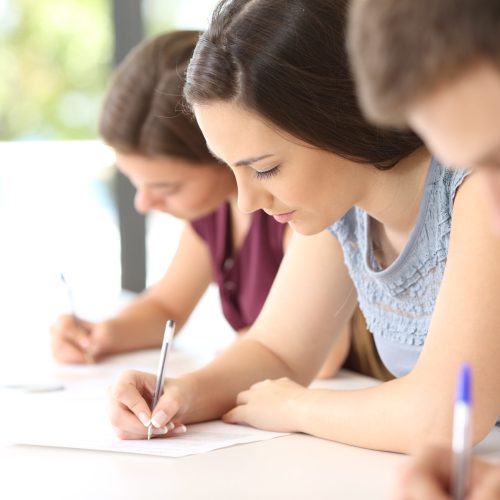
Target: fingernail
170,426
181,429
160,418
160,431
145,420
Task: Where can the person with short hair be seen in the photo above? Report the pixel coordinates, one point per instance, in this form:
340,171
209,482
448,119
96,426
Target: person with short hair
435,66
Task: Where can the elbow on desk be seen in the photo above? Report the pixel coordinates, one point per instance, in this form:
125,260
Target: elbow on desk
437,430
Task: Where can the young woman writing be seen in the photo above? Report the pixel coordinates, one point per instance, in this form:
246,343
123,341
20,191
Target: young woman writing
164,154
271,90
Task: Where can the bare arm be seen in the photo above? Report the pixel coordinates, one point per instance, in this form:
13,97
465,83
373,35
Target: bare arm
140,325
415,409
311,299
174,296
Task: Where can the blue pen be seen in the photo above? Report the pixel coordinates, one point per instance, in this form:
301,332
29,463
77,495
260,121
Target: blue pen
461,440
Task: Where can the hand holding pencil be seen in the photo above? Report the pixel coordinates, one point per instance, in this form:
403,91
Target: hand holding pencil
429,475
139,408
73,331
441,473
81,341
168,337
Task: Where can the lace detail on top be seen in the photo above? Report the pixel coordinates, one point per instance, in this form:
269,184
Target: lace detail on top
398,301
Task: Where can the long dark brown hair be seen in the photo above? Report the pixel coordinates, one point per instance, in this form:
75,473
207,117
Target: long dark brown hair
143,108
286,60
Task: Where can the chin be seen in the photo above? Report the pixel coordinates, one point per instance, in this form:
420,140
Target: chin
191,216
307,229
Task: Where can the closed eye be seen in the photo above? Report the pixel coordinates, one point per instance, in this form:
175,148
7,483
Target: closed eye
266,174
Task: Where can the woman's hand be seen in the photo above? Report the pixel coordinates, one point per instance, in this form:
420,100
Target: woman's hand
129,406
429,475
273,405
79,341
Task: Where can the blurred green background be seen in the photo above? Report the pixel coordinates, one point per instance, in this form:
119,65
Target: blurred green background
58,181
55,60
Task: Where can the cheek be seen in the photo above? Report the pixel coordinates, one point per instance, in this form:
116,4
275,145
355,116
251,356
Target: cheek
194,202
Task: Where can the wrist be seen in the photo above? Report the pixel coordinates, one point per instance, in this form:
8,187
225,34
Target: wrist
300,409
188,399
105,339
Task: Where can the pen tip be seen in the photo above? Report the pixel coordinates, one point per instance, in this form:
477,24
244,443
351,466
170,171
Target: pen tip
150,431
464,384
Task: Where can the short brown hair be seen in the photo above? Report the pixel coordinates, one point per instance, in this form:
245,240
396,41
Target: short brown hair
403,49
143,108
286,60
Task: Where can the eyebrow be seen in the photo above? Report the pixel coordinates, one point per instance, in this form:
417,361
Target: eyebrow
242,163
162,184
249,161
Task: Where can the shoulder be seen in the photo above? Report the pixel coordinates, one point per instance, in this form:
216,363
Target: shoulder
470,205
349,227
472,234
437,204
447,180
211,224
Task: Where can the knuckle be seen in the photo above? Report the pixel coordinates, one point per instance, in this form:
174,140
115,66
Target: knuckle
125,377
136,406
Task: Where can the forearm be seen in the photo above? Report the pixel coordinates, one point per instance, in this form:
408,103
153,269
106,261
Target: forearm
214,388
391,416
138,326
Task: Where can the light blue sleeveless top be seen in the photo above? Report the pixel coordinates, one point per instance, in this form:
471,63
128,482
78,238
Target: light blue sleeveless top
398,301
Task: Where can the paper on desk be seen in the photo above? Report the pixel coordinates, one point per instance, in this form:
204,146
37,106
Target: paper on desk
57,420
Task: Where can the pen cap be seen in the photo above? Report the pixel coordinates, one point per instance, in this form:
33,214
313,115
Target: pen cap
464,384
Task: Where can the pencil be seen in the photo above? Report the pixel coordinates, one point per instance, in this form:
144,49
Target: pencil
89,358
160,376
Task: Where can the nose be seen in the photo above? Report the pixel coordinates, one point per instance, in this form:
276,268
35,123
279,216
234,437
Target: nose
251,196
142,201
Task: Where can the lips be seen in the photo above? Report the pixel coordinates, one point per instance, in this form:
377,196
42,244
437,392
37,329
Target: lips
284,218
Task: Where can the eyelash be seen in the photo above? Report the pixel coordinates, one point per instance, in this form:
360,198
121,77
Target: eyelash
267,173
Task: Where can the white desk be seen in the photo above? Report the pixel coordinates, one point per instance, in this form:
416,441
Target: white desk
290,467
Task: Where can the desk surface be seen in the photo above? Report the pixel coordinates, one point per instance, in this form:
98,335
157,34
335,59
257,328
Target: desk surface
289,467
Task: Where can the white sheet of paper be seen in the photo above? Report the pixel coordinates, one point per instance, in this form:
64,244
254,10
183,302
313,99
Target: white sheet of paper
65,421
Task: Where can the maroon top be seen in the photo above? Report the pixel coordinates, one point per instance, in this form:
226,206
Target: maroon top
245,277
